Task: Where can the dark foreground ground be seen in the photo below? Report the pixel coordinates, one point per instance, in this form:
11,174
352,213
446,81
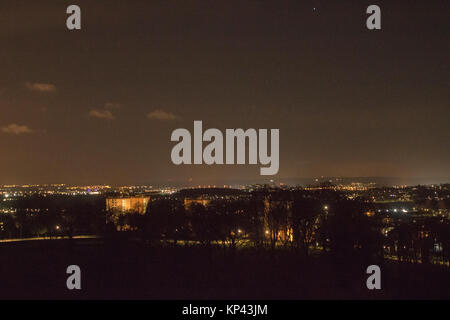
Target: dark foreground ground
124,270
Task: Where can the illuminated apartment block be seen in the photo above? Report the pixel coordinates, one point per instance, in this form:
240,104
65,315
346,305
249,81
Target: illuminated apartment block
188,202
127,205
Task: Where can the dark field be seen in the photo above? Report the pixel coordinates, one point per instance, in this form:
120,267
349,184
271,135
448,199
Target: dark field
126,270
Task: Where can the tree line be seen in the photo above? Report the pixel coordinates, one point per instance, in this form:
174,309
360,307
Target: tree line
305,222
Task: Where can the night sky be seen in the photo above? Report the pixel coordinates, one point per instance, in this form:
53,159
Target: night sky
99,105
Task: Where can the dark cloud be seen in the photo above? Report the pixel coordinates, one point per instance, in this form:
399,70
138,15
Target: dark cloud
16,129
40,87
161,115
101,114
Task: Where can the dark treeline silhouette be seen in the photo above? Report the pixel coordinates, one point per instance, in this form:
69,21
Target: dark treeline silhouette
304,222
269,243
54,215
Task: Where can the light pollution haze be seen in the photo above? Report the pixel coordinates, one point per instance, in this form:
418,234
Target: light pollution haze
99,105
